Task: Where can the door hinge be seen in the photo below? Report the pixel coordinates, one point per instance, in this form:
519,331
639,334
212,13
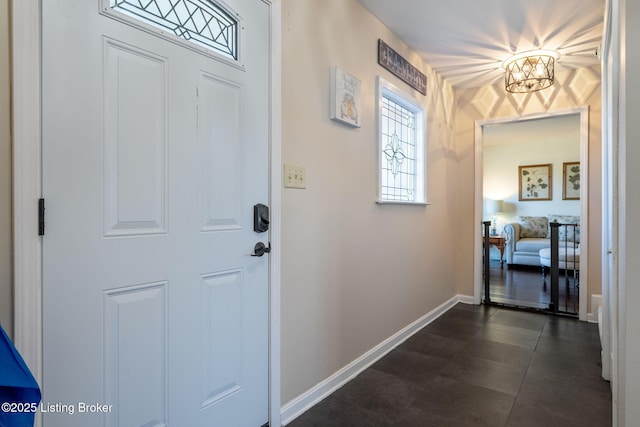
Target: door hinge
41,217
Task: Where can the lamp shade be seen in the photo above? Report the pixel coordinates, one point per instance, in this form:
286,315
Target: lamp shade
494,206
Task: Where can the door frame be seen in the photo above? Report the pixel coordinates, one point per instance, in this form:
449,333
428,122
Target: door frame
583,112
27,189
610,211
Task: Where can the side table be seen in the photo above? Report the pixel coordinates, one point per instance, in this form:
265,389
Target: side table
499,242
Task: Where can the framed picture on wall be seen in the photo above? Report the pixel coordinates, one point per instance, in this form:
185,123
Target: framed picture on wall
571,181
345,98
534,182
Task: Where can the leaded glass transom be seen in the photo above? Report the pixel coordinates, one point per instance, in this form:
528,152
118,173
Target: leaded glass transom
198,21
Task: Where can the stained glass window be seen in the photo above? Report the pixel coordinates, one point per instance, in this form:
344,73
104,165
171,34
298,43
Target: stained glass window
198,21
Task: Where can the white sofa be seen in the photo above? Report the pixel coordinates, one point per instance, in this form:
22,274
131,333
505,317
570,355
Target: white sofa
526,237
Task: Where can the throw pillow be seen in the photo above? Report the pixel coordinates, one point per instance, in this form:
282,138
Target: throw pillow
533,226
569,233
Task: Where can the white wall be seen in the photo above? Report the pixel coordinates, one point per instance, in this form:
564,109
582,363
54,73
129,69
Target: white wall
6,275
509,145
354,272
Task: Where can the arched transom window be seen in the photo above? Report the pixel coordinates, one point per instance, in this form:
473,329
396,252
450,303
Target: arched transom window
197,21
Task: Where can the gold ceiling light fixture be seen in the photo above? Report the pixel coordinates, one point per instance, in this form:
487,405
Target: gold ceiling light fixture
530,71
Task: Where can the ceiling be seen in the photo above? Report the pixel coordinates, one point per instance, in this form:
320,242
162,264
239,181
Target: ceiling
466,41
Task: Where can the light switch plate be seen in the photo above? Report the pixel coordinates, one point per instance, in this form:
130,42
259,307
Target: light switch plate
294,176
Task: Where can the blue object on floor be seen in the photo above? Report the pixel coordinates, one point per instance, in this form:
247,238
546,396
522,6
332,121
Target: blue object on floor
19,391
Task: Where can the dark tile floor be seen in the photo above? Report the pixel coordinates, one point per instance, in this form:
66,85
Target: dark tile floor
479,366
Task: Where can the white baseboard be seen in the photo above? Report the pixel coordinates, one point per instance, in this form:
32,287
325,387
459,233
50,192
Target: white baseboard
465,299
596,301
297,406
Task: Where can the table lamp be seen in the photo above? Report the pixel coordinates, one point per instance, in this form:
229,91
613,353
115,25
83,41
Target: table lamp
494,207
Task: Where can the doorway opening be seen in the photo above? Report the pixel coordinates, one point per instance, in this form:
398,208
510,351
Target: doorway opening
521,165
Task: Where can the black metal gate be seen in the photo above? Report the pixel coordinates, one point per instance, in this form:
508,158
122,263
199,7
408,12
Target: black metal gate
560,266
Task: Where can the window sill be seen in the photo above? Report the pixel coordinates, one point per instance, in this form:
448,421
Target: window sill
399,202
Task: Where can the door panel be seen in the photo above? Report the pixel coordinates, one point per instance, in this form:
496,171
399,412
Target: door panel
153,157
135,325
135,141
220,103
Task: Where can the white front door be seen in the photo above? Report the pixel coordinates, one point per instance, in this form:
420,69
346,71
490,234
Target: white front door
155,150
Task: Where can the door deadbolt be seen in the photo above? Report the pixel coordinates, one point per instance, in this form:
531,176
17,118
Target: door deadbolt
260,218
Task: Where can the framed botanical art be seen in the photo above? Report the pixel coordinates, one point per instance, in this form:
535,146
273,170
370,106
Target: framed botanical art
534,182
571,181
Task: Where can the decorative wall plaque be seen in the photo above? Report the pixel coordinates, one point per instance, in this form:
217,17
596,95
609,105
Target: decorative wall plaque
398,65
345,98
